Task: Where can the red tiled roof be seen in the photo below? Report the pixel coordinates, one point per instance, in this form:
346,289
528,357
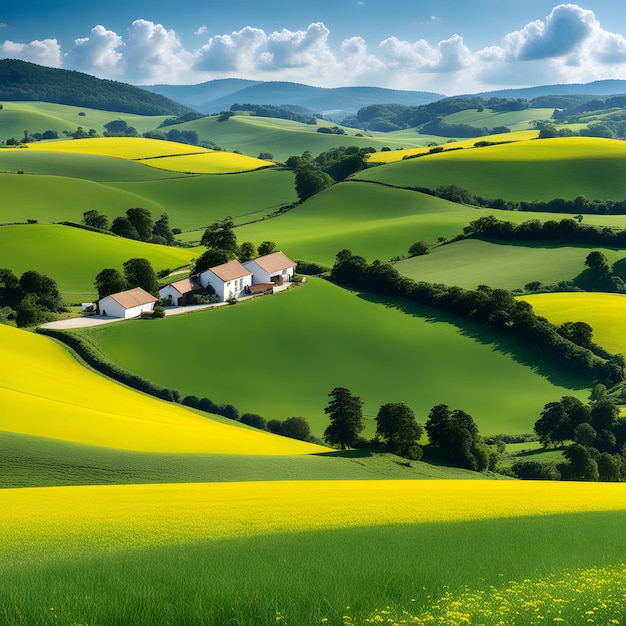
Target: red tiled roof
186,285
230,271
274,262
133,297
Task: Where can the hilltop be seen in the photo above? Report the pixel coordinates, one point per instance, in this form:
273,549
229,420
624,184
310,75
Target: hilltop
23,81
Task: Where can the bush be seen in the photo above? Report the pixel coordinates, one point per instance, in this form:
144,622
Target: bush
158,312
252,419
536,470
310,268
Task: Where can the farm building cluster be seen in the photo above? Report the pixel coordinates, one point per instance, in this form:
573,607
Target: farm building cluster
229,280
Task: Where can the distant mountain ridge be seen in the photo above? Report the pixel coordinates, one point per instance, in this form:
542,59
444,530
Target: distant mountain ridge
24,81
612,87
338,102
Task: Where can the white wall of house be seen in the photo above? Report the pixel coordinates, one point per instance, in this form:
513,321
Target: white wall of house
167,291
223,289
112,308
259,275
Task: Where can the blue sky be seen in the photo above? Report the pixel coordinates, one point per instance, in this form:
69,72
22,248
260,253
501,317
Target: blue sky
448,46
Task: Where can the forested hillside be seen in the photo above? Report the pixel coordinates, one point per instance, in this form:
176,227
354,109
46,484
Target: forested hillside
21,81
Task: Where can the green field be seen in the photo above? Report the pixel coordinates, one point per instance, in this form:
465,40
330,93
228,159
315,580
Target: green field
515,120
524,170
37,117
473,262
293,349
73,257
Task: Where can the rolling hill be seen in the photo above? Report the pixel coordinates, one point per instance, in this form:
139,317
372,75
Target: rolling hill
346,339
525,170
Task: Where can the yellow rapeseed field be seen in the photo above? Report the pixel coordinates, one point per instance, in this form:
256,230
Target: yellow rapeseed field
58,522
604,312
44,391
397,155
120,147
208,163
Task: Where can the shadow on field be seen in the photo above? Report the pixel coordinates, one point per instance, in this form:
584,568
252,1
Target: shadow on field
360,453
497,342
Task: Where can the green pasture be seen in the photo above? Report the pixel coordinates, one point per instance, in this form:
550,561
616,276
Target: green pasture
73,257
196,201
525,170
71,165
28,461
251,135
280,356
323,575
37,117
56,198
473,262
515,120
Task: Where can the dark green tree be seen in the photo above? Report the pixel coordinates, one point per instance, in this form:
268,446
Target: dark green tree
296,428
310,181
254,420
139,273
397,427
582,465
95,219
121,226
266,247
247,251
45,290
346,418
221,235
162,228
597,262
604,414
419,248
142,221
10,293
109,281
210,258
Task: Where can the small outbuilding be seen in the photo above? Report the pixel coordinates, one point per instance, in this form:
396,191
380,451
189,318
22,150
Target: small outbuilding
127,304
228,280
276,268
179,292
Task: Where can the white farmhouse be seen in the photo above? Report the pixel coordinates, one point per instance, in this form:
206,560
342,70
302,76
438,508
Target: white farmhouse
229,279
276,268
179,292
127,304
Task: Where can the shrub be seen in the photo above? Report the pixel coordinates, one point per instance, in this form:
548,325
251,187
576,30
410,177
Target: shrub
158,312
252,419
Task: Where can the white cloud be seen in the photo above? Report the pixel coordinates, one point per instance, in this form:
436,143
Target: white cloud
299,49
98,53
449,55
203,29
234,52
46,52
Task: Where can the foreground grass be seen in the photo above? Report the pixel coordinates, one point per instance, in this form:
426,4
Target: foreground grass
47,393
311,339
29,461
201,553
604,312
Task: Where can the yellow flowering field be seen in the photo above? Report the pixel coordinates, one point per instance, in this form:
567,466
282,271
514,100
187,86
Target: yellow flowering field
208,163
604,312
595,595
44,391
120,147
54,522
392,156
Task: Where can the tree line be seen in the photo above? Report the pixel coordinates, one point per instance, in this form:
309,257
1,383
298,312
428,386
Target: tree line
496,308
452,434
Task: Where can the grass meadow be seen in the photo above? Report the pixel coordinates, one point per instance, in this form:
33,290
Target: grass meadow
73,257
473,262
336,552
523,170
292,349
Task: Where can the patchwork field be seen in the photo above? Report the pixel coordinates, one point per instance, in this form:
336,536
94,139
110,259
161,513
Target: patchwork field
348,341
444,542
73,257
604,312
71,403
472,262
524,170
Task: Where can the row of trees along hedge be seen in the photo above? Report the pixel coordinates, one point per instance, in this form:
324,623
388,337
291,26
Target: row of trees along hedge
31,299
598,436
453,435
578,206
567,230
21,80
494,307
281,112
